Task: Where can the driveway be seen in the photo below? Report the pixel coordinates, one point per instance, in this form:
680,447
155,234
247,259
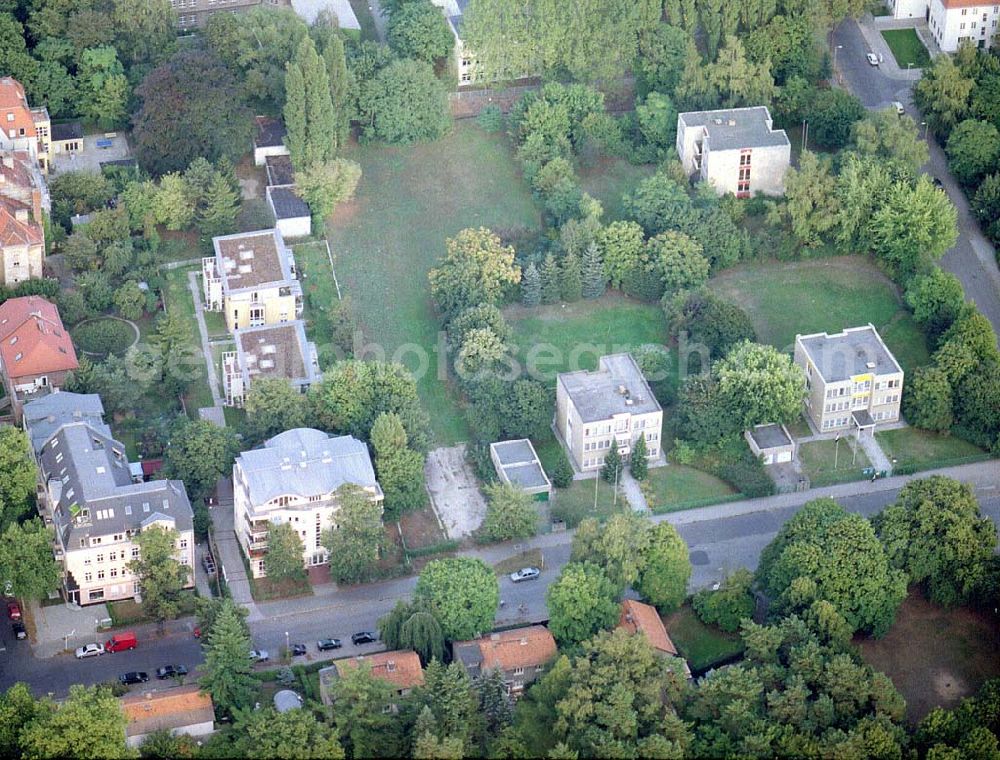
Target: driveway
972,259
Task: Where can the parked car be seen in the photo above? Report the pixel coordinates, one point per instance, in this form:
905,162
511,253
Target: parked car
259,655
364,637
525,574
120,642
169,671
19,630
89,650
14,610
135,676
937,182
208,562
872,59
899,107
298,650
324,645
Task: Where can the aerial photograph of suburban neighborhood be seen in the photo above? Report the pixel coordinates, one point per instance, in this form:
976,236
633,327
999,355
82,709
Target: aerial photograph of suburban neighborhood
500,379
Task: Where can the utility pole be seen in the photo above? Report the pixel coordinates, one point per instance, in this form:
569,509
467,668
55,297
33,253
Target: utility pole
836,450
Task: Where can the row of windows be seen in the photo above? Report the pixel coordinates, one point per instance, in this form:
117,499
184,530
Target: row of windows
589,462
839,422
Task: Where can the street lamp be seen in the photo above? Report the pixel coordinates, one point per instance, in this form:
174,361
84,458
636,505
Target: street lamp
924,125
288,648
838,47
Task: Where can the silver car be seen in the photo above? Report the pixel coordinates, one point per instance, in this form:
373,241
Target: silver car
259,655
89,650
525,574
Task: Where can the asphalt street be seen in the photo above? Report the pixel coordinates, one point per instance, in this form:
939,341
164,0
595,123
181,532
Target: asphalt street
972,259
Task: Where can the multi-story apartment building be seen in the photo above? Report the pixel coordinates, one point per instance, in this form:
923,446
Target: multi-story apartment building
36,352
736,150
268,351
953,22
293,478
23,127
611,406
23,197
252,280
521,655
87,495
853,381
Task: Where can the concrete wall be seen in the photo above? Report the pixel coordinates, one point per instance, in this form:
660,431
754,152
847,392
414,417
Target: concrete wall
767,169
260,154
300,226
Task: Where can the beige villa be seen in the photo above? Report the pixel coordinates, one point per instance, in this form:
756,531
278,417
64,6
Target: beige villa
252,280
611,406
853,381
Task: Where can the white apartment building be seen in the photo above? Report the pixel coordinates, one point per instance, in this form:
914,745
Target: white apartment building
86,494
293,478
611,406
953,22
269,351
852,379
736,150
252,280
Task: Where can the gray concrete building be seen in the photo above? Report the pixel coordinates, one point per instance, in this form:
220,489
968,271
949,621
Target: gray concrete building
736,150
518,465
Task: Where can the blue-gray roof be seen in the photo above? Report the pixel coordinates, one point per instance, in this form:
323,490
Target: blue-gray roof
305,462
599,395
44,416
734,128
855,351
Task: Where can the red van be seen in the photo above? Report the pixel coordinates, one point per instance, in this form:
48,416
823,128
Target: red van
120,642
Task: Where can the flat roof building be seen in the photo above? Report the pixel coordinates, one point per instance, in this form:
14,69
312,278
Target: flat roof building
292,216
613,405
269,351
736,150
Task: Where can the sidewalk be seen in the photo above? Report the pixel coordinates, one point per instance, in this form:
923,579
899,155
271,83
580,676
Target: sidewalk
230,559
199,313
63,628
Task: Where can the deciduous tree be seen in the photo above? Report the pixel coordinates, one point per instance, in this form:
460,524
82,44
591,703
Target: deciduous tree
927,400
812,198
161,575
27,568
400,470
942,94
914,227
419,30
322,186
90,723
973,150
936,299
581,602
292,735
662,581
356,541
19,475
679,260
620,248
273,406
462,593
510,513
199,454
404,103
759,385
476,269
284,558
103,88
658,204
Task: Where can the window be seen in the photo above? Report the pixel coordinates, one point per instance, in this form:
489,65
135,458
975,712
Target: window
114,572
10,116
113,557
100,559
518,671
88,577
183,543
962,25
96,595
100,575
118,537
135,552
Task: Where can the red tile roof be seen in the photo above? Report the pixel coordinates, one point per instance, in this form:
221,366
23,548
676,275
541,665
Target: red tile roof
400,668
638,617
13,101
518,648
174,708
12,230
33,340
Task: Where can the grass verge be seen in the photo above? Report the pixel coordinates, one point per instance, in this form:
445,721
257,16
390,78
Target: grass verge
576,503
911,449
906,48
676,487
826,462
529,558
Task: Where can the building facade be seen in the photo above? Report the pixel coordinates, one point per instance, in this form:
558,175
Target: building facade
953,22
853,381
86,493
192,14
611,406
23,197
736,150
23,127
293,478
269,351
521,655
252,280
36,351
465,63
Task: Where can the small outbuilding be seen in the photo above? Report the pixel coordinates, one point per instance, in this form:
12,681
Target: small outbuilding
286,700
291,214
269,139
772,443
181,710
517,464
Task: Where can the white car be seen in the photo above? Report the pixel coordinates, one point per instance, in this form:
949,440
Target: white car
872,59
89,650
525,574
898,106
259,655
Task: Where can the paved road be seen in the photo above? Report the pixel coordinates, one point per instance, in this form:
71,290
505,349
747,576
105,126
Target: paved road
972,259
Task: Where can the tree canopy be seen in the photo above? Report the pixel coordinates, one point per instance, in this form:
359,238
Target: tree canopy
462,593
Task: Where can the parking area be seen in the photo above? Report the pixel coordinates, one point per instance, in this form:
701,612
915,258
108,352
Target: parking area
90,157
454,493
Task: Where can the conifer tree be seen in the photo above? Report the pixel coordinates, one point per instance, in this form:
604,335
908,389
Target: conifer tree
336,73
221,205
310,121
612,469
550,280
593,278
571,278
227,663
531,286
638,465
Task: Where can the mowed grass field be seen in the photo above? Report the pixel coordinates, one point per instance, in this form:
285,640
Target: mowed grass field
409,201
608,179
906,48
786,298
573,336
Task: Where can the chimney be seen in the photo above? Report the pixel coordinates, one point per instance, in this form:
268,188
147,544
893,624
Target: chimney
21,214
36,204
524,641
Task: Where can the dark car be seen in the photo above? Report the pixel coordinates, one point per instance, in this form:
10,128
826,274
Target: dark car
364,637
325,645
19,630
298,650
134,677
937,182
169,671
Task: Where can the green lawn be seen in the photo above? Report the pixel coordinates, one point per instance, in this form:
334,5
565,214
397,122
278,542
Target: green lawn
320,292
785,298
906,48
819,457
576,503
676,487
701,645
215,323
914,449
409,201
561,338
177,297
609,179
